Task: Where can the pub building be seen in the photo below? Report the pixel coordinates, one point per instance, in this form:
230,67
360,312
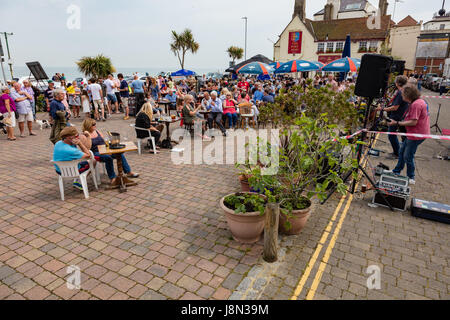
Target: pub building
323,38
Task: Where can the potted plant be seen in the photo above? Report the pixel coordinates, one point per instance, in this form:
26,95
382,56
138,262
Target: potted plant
310,161
245,216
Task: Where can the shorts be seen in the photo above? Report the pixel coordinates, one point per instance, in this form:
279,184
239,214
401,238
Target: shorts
26,117
13,120
124,102
111,97
98,105
118,97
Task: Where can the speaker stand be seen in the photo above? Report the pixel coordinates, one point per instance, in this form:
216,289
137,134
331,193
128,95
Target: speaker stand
436,125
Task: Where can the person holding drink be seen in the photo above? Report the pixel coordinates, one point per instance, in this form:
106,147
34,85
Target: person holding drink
90,126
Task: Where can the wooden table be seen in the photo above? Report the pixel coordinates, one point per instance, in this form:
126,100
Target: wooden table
122,182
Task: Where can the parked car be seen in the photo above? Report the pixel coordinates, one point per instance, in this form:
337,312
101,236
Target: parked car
214,76
445,83
434,86
427,77
429,82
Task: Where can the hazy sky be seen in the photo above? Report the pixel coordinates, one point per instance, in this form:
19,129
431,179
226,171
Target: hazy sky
136,33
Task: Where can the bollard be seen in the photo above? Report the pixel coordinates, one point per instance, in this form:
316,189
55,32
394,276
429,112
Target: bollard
270,253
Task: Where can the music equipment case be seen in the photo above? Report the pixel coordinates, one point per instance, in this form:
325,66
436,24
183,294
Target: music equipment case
430,210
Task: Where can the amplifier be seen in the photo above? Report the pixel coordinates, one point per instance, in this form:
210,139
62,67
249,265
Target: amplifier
430,210
397,200
394,183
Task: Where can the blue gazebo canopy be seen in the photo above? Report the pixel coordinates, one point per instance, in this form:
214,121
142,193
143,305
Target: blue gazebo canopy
183,73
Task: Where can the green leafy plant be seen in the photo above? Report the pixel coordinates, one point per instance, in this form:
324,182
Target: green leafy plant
312,102
183,43
245,202
98,67
235,53
41,106
312,159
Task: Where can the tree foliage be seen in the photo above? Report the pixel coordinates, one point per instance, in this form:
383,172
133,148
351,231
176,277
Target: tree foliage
235,53
183,43
98,67
298,101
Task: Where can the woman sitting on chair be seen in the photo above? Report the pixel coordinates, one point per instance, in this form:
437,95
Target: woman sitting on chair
190,113
229,110
90,125
144,120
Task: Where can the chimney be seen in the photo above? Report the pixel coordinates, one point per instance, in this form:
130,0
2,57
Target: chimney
328,12
383,6
300,9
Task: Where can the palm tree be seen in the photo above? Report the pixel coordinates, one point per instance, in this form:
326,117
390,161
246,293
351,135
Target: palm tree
182,43
97,67
235,53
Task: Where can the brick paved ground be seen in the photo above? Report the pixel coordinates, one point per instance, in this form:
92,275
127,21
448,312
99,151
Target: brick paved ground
167,238
164,239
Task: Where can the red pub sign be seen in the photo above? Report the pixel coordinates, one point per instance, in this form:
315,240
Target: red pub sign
295,42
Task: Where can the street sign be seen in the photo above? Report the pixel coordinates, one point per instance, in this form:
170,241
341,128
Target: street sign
425,68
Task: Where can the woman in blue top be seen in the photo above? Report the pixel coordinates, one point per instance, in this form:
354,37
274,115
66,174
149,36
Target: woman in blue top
90,125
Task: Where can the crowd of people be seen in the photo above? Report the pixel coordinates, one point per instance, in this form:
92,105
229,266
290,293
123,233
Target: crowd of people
208,102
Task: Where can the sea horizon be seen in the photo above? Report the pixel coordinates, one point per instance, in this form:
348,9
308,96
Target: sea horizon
71,73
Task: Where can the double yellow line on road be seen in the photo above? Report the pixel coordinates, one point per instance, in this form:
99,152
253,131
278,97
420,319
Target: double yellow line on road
321,244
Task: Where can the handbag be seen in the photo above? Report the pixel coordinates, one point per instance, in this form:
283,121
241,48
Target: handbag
7,122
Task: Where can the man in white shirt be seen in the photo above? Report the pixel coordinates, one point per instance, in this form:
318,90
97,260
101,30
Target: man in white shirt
111,94
96,91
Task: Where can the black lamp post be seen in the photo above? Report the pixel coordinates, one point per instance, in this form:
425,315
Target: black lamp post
442,11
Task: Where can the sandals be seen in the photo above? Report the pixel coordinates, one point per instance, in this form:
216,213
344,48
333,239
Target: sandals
135,175
9,139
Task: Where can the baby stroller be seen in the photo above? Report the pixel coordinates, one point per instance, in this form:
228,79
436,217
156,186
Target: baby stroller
2,125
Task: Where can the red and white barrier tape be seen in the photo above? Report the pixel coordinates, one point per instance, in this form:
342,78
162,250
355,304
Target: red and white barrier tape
435,97
416,135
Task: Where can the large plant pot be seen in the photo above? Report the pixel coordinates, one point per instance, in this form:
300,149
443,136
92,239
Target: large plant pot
245,186
246,227
298,221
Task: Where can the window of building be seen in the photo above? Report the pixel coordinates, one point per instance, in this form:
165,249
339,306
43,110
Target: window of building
330,46
339,46
442,27
363,46
373,45
321,47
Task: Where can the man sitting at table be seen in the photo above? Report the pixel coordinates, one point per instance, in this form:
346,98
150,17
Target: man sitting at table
206,101
215,106
172,97
66,150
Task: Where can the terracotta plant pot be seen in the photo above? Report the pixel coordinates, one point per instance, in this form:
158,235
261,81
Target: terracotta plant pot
247,227
298,221
245,186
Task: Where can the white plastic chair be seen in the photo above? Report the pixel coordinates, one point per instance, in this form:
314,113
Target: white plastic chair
139,141
69,170
97,168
